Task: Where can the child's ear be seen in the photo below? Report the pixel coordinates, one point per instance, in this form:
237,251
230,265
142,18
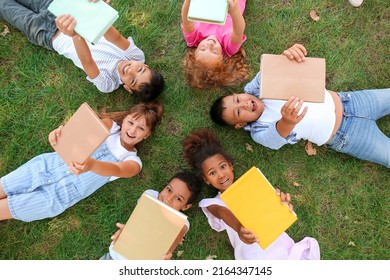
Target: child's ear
128,89
240,125
186,207
206,181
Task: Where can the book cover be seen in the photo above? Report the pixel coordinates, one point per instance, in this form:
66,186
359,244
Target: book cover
254,202
150,231
93,19
208,11
281,78
82,134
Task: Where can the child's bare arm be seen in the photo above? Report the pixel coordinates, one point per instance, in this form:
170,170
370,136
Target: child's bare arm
112,35
188,26
66,24
227,216
125,169
238,22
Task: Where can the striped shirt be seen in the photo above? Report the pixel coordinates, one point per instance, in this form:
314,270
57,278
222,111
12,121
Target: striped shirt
106,56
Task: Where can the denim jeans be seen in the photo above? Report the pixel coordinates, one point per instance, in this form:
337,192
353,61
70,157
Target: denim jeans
32,18
359,135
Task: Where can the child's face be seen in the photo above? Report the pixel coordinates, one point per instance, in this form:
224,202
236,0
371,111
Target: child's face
218,172
176,195
133,74
133,131
209,51
241,109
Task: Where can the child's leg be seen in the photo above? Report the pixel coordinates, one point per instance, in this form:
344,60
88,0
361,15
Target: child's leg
35,5
39,28
5,214
359,135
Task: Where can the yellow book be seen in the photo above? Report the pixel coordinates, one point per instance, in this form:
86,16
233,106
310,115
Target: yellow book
254,202
150,231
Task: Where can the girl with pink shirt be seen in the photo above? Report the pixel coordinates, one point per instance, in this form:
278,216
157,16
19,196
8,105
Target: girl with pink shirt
215,57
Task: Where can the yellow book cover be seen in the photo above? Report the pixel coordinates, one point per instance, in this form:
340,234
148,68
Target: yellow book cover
150,231
254,202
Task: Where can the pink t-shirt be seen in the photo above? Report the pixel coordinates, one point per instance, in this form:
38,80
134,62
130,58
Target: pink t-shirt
222,32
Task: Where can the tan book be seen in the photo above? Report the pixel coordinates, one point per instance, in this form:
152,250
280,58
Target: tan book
281,78
150,231
254,202
83,133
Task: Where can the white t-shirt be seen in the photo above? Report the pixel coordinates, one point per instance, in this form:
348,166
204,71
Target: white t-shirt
106,56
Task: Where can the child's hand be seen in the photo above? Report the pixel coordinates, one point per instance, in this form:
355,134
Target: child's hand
297,52
233,6
77,168
247,236
285,198
54,135
290,111
115,236
66,24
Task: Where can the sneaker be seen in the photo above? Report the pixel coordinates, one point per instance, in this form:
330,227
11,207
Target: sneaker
355,3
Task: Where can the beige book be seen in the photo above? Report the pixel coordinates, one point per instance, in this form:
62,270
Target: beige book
281,78
83,133
150,231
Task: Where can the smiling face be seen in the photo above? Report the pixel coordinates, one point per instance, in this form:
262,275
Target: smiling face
133,131
240,109
176,195
209,51
133,74
218,172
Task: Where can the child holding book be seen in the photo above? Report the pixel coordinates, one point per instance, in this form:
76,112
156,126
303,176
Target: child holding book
46,186
112,62
345,121
203,152
215,57
180,192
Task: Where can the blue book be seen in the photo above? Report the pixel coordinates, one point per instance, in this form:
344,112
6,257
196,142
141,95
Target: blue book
208,11
93,19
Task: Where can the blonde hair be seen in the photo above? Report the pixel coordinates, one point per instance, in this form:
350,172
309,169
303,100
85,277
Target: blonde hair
229,72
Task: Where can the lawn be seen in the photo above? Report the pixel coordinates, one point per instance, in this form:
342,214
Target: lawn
341,201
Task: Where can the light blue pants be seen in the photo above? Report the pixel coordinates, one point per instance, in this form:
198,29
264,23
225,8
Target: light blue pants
359,135
32,18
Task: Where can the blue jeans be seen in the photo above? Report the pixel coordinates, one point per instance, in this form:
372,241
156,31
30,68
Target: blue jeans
359,135
32,18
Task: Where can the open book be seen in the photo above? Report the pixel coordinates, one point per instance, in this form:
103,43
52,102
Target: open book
281,78
254,202
92,19
208,11
150,231
83,133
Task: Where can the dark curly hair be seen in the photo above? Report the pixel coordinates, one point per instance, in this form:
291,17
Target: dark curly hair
200,145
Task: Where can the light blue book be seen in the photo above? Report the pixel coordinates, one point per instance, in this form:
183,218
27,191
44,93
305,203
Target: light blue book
209,11
93,19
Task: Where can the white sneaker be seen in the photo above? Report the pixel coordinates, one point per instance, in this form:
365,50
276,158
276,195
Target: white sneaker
355,3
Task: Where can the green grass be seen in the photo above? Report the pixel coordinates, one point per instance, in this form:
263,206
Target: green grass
341,201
